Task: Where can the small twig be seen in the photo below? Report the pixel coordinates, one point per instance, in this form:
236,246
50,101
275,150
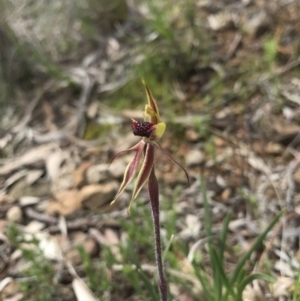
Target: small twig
31,107
234,45
62,135
291,183
82,224
287,67
88,87
44,218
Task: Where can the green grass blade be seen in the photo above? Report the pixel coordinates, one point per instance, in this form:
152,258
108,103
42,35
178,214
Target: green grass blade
168,247
241,276
223,279
258,241
207,219
207,288
296,295
249,279
223,236
133,279
148,285
208,226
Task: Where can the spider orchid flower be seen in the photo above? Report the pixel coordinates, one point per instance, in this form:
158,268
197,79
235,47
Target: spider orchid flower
151,129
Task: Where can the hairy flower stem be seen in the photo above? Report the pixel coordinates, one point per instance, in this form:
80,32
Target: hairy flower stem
154,200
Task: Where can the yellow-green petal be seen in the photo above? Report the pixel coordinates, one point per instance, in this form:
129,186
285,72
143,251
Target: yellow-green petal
159,130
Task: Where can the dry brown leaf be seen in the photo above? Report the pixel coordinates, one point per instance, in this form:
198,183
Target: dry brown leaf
49,245
220,21
53,164
108,238
192,135
14,214
282,287
92,110
184,297
3,227
33,175
15,177
95,196
65,202
116,169
17,297
8,287
6,199
79,174
34,227
226,194
28,200
32,156
254,292
274,148
79,239
21,188
49,116
81,291
64,179
97,173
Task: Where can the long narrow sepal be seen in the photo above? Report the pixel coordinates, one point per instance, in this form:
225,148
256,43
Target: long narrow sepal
151,109
134,148
144,172
173,160
131,168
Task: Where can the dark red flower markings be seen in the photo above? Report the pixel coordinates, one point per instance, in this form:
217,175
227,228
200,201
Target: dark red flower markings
142,128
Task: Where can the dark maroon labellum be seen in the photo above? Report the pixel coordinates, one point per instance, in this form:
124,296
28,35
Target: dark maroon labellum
142,128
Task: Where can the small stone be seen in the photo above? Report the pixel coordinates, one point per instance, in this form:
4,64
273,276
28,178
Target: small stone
192,135
33,176
288,113
21,188
88,244
97,173
8,288
220,21
6,199
95,196
28,200
226,194
34,227
257,21
219,142
91,247
92,110
221,181
194,157
274,148
296,177
14,214
65,202
117,169
192,228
